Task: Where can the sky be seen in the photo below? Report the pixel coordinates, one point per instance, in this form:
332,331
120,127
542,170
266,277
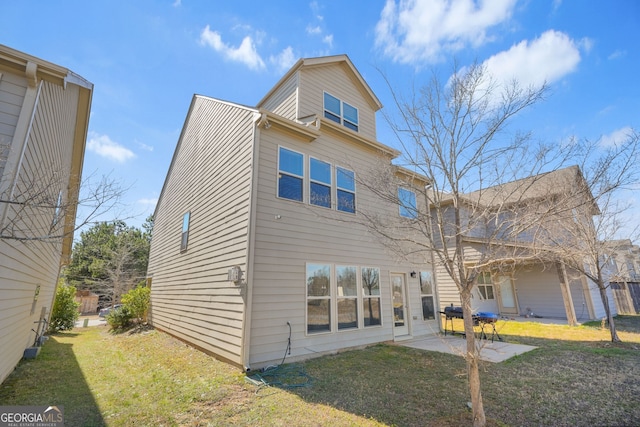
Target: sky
148,58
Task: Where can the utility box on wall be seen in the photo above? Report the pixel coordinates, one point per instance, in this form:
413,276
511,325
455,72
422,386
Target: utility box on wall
235,275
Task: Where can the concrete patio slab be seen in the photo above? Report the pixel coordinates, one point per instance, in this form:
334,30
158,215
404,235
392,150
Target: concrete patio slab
495,352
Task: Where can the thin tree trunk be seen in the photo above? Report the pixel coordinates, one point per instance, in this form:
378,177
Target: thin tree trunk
612,325
472,358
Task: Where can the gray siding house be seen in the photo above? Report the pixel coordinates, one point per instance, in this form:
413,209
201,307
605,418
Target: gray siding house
256,251
624,275
44,114
524,282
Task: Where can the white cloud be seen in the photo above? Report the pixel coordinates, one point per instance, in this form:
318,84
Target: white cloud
177,3
617,54
586,44
103,146
425,31
148,202
315,8
284,60
144,146
616,137
314,30
328,39
548,58
246,53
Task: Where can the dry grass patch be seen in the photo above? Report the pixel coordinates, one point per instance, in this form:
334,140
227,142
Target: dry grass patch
575,378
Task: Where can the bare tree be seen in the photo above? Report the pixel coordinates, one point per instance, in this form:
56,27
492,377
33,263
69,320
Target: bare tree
121,274
454,137
40,208
585,245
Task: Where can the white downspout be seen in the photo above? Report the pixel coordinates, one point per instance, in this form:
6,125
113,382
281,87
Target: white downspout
260,120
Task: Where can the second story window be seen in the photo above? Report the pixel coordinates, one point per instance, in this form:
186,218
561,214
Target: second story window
340,112
319,183
346,190
290,174
408,205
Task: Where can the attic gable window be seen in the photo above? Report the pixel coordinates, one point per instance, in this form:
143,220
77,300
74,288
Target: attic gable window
340,112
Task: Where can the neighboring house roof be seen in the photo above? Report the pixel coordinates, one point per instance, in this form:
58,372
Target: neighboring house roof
567,181
45,70
329,60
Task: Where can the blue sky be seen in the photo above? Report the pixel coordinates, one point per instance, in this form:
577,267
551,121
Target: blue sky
147,59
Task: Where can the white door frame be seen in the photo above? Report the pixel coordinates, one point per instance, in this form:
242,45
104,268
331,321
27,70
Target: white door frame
399,305
512,289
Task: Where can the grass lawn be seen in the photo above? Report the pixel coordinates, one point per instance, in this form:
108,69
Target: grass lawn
575,378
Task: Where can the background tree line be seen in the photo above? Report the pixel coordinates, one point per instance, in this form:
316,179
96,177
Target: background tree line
109,259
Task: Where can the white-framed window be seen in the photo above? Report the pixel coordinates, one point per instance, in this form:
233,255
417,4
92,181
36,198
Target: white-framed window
485,286
319,183
370,277
407,202
318,298
186,219
342,297
347,297
346,190
340,112
427,295
290,174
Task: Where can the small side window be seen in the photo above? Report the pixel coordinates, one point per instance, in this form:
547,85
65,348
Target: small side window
185,231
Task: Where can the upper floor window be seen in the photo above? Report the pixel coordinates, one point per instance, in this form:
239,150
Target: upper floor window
408,204
319,183
185,231
346,190
340,112
290,174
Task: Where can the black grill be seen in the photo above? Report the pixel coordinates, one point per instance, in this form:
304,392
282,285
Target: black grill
481,319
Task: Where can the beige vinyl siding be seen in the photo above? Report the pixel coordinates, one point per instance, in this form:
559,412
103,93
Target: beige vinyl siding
25,265
336,81
210,176
12,91
284,101
289,234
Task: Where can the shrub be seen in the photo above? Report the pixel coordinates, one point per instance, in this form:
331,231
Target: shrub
119,319
65,309
137,301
